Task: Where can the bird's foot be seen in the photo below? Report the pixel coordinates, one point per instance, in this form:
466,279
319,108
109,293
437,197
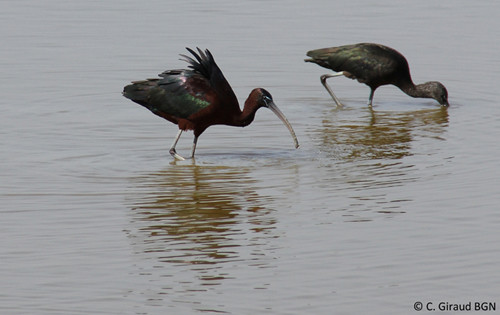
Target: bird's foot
175,155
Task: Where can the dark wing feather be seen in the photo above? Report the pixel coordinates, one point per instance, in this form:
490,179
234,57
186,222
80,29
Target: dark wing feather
372,64
206,66
181,93
201,65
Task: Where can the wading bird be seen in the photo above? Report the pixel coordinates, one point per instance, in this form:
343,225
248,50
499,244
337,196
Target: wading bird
198,98
374,65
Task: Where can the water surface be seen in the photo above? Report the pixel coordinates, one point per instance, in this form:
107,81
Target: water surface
376,210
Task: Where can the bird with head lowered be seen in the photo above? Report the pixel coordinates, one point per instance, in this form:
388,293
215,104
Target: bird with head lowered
374,65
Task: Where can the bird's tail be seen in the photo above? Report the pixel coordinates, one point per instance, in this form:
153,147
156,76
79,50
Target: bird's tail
319,56
138,91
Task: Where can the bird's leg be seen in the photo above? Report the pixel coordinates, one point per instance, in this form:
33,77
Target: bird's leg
327,87
172,148
370,99
194,146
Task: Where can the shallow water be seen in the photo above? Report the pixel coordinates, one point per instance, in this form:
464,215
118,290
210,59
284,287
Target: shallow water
376,210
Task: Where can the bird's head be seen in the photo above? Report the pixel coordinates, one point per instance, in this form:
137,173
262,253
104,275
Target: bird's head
264,99
439,92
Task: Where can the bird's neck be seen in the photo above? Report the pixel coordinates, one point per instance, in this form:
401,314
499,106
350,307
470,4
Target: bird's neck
417,90
245,117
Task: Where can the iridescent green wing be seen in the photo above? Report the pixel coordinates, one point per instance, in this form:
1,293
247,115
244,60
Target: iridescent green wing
178,94
181,93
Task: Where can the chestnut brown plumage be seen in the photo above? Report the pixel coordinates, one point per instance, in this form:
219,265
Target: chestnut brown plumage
198,98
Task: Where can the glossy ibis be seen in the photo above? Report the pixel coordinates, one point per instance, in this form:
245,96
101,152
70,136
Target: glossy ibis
374,65
198,98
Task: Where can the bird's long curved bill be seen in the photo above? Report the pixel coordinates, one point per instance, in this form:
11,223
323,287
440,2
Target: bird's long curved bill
280,115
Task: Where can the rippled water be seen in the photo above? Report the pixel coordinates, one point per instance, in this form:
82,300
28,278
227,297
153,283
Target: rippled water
378,208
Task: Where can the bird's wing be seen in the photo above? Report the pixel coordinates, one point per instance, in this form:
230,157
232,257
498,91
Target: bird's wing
182,93
363,62
205,66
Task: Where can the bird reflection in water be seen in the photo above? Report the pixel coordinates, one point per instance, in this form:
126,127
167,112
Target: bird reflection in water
369,155
349,135
199,215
